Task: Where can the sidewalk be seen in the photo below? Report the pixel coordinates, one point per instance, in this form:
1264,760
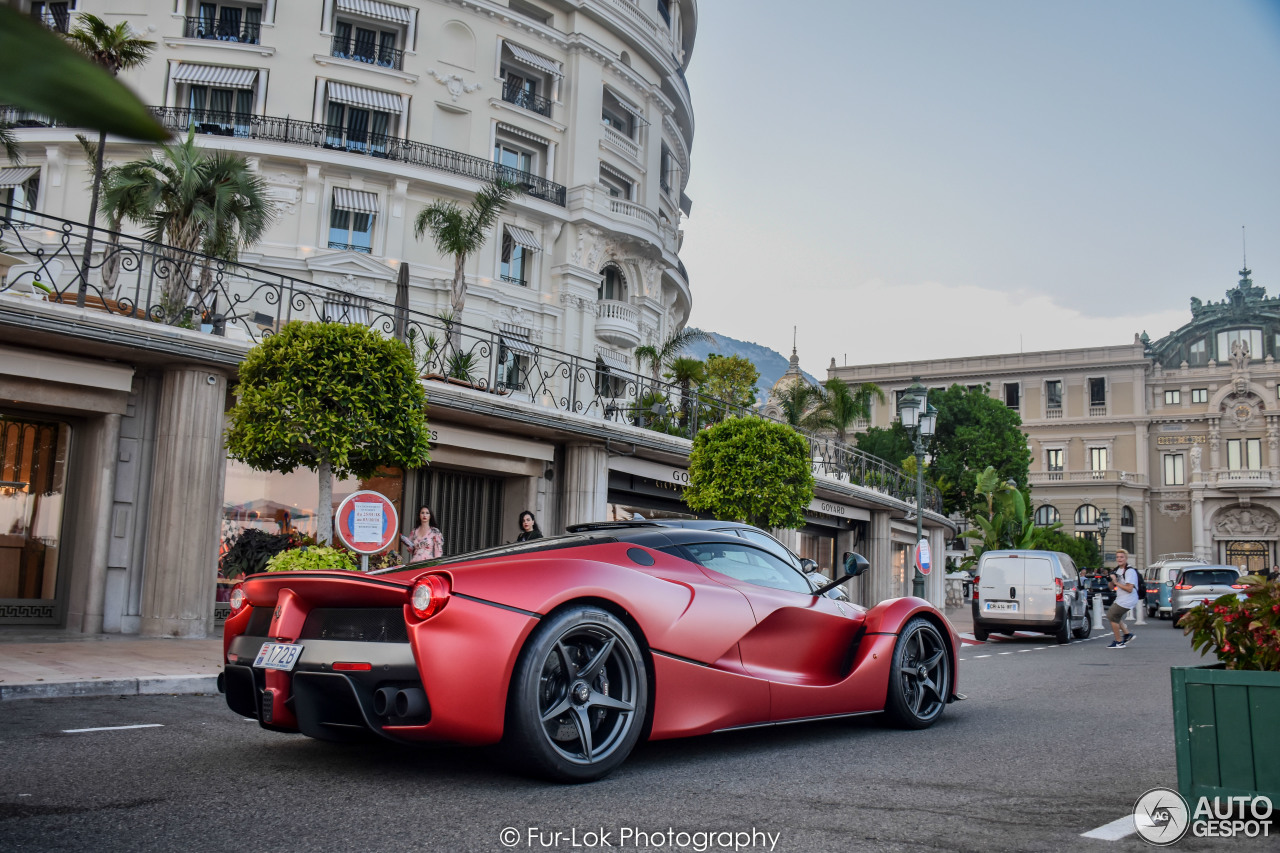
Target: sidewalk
47,663
51,663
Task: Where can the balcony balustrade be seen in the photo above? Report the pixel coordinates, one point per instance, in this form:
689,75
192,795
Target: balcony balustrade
145,283
514,93
1128,478
367,52
240,32
1098,411
1247,480
618,323
631,210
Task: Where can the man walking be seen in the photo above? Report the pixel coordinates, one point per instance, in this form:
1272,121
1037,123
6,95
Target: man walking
1124,580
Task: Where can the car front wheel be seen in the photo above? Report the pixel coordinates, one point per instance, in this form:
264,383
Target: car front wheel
920,677
578,697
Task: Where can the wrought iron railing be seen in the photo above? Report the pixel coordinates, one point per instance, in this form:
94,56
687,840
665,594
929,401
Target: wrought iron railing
243,32
319,135
350,247
514,93
142,280
56,18
511,279
365,51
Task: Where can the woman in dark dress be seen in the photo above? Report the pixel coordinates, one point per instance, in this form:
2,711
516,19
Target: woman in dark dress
528,527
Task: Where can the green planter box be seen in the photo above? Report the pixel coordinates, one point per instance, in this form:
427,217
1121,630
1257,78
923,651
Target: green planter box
1226,732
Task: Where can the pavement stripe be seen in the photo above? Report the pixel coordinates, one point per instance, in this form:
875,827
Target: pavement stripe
1114,831
113,728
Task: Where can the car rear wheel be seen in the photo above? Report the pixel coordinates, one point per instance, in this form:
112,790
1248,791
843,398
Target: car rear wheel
1173,620
920,678
980,634
578,697
1063,634
1086,627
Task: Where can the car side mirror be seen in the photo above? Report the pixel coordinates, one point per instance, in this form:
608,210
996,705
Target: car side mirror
807,565
854,565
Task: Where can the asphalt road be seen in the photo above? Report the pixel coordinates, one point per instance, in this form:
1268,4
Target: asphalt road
1052,742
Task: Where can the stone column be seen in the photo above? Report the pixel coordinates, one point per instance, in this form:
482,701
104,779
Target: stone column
880,554
935,585
1215,447
93,523
586,483
186,505
1199,542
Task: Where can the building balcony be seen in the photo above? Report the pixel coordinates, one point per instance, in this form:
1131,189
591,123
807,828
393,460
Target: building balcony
1252,480
287,131
367,52
513,93
631,210
1125,478
618,323
236,32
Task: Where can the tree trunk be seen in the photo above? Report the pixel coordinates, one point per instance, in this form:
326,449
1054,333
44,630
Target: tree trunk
324,511
457,301
93,218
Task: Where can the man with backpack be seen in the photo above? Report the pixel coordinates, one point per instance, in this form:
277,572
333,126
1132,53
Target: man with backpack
1127,582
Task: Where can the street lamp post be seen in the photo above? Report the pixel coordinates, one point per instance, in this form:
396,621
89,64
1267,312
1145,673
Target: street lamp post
920,419
1104,524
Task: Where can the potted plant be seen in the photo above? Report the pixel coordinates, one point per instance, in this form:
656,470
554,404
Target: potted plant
1224,715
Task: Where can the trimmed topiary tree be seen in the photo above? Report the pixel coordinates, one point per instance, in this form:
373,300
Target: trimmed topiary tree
338,399
751,470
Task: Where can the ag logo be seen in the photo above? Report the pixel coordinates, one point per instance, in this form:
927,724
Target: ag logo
1161,816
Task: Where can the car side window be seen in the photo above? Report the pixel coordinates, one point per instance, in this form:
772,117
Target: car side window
749,565
773,546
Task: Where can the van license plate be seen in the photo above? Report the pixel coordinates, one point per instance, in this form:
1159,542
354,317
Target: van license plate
281,656
1011,606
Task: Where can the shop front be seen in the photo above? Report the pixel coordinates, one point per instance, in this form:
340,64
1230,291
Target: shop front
34,456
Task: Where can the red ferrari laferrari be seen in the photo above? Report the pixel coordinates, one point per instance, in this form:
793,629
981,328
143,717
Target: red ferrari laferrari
569,650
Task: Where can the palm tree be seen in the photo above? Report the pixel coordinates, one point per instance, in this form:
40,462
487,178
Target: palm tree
797,400
461,233
195,201
840,407
662,356
9,143
116,49
688,373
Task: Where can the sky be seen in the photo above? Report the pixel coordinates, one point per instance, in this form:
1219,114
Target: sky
907,179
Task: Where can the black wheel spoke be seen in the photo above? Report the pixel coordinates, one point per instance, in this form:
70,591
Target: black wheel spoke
592,669
932,663
599,700
583,724
919,641
559,709
566,660
928,684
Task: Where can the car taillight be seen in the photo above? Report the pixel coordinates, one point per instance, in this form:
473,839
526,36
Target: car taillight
1239,586
1057,582
428,595
238,599
976,578
1182,586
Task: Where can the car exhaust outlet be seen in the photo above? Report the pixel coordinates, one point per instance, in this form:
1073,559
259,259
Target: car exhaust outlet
384,700
411,702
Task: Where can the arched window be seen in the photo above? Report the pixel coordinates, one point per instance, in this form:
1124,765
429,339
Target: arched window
613,284
1126,517
1047,515
1087,514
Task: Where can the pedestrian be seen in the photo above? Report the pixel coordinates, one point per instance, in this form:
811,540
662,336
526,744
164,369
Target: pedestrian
528,527
1275,574
425,542
1124,580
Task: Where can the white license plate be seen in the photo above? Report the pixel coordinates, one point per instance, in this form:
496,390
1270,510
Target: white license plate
1011,606
280,656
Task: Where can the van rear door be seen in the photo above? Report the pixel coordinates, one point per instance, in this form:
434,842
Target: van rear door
1041,593
1000,586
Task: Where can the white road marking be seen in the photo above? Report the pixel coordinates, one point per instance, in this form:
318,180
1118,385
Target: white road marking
1023,651
113,728
1114,831
1006,653
981,656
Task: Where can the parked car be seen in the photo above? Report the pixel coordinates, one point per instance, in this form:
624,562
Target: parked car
1160,577
569,650
1099,584
1037,591
1201,585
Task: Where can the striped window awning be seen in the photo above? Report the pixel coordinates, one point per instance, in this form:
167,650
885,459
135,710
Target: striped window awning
16,176
358,96
524,237
356,201
613,359
516,339
377,9
635,111
534,61
215,75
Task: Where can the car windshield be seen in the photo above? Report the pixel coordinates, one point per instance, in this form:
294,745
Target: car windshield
1202,577
551,543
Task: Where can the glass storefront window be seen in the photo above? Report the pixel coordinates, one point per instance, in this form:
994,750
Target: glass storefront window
33,475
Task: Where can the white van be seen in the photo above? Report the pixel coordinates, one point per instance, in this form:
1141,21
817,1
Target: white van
1036,591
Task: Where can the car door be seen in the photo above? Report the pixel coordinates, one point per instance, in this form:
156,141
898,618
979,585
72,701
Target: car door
801,641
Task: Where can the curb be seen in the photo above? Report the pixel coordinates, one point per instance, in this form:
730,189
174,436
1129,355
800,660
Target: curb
146,686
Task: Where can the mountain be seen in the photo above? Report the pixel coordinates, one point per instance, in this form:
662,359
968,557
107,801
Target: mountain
771,363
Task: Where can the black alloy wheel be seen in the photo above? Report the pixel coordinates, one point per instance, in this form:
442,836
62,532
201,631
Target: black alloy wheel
578,697
920,678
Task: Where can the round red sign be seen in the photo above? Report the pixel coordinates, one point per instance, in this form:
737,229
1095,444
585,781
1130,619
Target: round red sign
366,522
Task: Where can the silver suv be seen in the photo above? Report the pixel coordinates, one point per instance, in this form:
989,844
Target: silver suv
1038,591
1201,585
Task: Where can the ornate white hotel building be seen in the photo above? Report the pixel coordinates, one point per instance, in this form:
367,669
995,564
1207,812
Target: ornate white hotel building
115,488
